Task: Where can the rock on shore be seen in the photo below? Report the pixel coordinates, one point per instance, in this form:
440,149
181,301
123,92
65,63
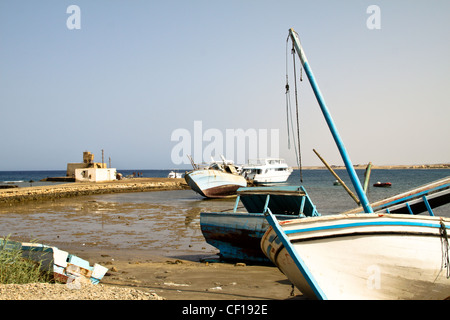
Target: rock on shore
49,291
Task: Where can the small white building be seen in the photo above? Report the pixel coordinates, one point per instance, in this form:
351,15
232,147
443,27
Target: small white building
95,174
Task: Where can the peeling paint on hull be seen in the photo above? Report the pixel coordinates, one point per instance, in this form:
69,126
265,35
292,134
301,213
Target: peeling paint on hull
238,235
214,183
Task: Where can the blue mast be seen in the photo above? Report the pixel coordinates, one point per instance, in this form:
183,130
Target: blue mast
348,164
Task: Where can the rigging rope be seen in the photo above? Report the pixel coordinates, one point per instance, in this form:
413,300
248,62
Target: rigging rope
298,120
445,248
289,109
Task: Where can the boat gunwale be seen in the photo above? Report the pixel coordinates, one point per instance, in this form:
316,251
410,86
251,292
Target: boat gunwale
344,216
251,214
288,193
363,224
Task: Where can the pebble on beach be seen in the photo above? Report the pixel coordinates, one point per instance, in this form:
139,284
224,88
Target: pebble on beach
50,291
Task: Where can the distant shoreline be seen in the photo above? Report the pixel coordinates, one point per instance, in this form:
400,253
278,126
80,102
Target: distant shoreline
357,166
375,167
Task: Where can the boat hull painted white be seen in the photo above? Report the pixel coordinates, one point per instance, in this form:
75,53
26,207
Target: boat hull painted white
276,177
267,171
214,183
364,256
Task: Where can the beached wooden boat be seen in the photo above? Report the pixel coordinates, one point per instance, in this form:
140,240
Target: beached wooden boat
211,183
364,256
360,256
66,268
238,234
220,179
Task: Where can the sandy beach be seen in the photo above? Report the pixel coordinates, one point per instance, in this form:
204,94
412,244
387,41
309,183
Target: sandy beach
192,277
161,278
180,279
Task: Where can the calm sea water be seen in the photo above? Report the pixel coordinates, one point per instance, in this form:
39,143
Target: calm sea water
168,222
319,183
331,199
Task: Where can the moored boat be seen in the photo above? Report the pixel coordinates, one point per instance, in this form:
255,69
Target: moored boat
266,171
175,175
382,184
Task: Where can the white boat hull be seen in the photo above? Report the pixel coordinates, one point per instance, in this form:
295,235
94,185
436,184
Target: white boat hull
267,171
212,183
364,256
275,177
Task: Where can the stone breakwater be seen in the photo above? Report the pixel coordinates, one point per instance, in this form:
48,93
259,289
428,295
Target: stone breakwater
53,192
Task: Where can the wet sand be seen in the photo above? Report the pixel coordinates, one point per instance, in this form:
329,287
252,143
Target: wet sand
126,237
180,279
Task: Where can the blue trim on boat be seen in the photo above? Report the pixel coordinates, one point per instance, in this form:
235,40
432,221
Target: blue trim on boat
366,224
295,257
427,204
413,196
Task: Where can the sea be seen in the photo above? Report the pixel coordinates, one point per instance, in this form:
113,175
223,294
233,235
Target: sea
168,222
319,183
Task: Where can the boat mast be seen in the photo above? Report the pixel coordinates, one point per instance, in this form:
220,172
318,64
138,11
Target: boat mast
348,164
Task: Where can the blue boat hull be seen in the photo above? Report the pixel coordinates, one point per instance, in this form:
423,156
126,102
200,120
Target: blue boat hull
237,235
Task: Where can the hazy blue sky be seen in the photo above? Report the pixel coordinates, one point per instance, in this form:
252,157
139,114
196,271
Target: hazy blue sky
137,71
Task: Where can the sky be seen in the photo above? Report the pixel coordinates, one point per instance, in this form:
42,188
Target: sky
149,82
